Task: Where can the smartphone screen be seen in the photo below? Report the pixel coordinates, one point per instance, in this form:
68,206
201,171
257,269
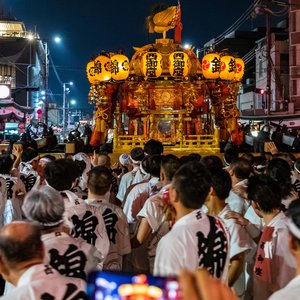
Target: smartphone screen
113,286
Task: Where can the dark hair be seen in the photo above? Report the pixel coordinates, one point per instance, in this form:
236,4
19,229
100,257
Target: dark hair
137,154
221,182
195,156
192,183
294,215
22,249
287,156
170,164
241,168
265,191
154,163
81,165
280,171
212,161
153,147
230,155
259,164
6,163
184,159
28,154
61,173
99,180
248,156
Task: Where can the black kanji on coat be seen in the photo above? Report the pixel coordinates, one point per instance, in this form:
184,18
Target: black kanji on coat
72,293
71,263
212,250
110,220
86,227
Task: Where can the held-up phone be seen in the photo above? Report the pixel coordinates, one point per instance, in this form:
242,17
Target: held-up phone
124,286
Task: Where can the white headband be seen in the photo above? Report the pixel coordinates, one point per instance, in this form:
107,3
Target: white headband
293,228
226,163
143,170
134,161
50,224
46,159
35,158
296,169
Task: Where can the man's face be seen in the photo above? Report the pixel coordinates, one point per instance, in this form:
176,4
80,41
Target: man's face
172,193
35,164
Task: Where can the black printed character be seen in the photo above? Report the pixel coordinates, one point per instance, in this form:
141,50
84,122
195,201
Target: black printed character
71,293
85,228
29,181
9,188
71,263
212,250
110,220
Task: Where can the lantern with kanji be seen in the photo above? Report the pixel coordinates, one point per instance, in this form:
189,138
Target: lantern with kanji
240,69
179,64
152,64
211,66
90,72
119,66
227,67
102,68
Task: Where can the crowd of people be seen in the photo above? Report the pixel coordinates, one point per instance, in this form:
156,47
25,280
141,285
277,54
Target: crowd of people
236,220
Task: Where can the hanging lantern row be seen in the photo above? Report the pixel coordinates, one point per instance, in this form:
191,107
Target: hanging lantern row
116,68
104,68
226,67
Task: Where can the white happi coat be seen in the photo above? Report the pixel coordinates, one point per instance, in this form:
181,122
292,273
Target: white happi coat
43,282
290,292
131,177
153,212
139,193
117,231
239,243
186,246
12,194
274,264
72,257
86,222
237,200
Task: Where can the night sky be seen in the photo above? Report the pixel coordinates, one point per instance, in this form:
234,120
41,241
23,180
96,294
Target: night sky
89,26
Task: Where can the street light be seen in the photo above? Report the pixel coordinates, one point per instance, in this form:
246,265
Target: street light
66,91
71,102
44,45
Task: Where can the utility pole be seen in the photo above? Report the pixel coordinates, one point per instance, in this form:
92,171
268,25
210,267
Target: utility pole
269,60
64,109
46,83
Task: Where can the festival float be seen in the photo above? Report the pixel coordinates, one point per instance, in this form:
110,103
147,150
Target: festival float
165,92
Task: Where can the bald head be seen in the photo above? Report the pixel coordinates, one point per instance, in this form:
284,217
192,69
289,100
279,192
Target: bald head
104,161
20,242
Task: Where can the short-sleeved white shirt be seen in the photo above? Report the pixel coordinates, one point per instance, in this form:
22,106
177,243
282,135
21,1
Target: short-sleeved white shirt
185,246
153,212
139,192
117,231
239,239
235,201
44,282
282,262
86,222
12,194
239,243
72,257
126,181
290,292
